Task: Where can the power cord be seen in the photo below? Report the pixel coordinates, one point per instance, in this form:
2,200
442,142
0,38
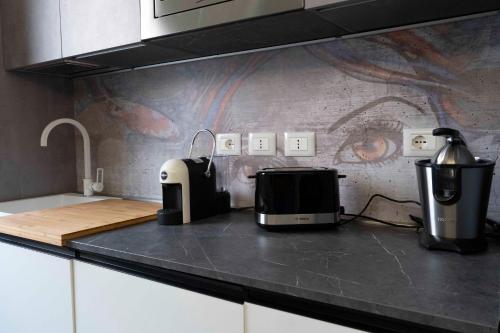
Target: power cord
408,226
377,195
495,229
417,220
419,223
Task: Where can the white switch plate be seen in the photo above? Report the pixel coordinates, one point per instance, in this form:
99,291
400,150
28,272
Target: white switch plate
421,142
262,144
228,144
300,144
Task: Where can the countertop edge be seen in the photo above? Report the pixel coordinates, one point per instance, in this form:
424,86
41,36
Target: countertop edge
334,313
236,292
357,319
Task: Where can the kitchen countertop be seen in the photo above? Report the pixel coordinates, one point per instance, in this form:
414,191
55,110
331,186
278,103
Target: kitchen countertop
363,266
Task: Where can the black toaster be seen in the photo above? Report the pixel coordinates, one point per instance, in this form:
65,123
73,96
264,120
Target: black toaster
293,197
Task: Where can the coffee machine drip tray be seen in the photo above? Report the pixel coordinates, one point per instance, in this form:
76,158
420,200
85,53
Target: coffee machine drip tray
463,246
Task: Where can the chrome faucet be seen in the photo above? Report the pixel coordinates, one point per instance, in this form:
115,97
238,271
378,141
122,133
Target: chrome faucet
89,187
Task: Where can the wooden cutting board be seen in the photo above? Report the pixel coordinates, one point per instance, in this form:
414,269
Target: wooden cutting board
59,225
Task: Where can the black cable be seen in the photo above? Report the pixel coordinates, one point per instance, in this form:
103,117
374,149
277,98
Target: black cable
374,219
495,229
360,214
417,220
493,224
383,197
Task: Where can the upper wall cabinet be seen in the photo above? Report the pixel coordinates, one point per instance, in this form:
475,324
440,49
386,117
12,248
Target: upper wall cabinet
84,37
31,32
94,25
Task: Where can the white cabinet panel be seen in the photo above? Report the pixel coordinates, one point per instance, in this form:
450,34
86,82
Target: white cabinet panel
35,292
260,319
31,32
107,301
94,25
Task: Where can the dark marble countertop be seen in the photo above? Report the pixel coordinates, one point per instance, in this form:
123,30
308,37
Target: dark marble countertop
363,266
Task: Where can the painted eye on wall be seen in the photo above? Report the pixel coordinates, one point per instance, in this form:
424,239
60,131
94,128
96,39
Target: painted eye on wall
377,142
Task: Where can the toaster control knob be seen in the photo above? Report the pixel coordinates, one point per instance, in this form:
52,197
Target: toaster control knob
164,175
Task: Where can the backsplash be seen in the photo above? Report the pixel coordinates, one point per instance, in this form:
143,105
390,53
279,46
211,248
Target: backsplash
356,94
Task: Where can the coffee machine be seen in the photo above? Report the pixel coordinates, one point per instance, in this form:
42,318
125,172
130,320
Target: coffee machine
454,189
189,190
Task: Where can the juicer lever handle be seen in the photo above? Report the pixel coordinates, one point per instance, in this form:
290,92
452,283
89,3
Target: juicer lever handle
450,133
443,131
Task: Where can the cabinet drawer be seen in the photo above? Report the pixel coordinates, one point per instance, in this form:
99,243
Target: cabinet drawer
109,301
35,291
261,319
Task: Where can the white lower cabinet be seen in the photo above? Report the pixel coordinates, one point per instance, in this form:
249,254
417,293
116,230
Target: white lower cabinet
261,319
35,291
108,301
48,294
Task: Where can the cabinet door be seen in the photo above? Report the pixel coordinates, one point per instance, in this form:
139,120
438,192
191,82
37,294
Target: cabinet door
35,292
260,319
108,301
31,32
94,25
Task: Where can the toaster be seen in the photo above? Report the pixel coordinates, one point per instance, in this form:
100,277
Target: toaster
293,197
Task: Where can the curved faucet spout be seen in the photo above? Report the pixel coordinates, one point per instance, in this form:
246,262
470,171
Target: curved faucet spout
86,144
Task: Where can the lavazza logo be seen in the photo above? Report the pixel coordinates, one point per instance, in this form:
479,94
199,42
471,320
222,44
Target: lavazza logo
445,219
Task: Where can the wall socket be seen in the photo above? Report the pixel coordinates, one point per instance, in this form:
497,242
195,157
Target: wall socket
228,144
262,144
300,144
421,142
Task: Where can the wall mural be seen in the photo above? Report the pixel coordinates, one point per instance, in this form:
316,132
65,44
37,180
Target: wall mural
356,94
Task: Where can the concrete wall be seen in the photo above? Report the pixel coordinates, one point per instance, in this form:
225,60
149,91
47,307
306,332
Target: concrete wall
356,94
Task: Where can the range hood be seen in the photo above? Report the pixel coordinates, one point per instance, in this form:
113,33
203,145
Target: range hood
176,30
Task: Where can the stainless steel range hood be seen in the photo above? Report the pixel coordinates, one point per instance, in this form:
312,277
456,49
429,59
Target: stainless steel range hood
196,29
175,30
167,17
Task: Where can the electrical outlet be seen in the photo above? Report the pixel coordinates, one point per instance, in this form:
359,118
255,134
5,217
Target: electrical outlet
420,142
300,144
262,144
228,144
